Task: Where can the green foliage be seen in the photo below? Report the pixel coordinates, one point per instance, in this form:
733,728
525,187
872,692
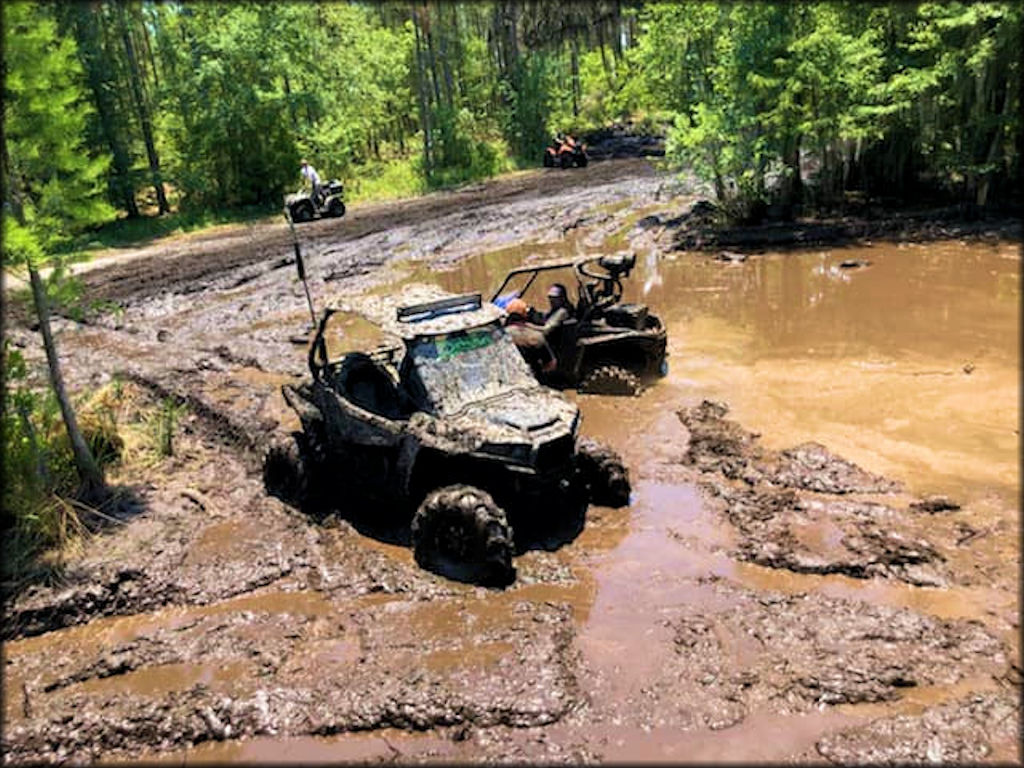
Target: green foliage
47,170
384,180
765,99
860,95
527,93
164,423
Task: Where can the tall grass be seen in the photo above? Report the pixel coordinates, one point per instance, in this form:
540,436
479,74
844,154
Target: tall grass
43,520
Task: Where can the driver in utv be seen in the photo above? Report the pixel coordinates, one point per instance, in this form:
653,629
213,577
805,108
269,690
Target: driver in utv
560,308
528,338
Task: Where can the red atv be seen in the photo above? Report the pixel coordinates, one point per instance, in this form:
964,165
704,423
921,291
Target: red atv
564,152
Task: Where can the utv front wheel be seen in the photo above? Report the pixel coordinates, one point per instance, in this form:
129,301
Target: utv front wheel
459,532
302,212
604,474
610,380
285,469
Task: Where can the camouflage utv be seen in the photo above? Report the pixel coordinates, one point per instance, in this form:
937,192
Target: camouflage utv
446,425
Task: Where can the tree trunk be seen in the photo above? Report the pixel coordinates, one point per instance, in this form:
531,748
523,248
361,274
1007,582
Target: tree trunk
442,41
575,64
92,487
421,91
792,183
149,53
96,64
145,122
89,472
608,71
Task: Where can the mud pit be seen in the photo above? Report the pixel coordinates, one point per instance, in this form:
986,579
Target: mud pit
804,594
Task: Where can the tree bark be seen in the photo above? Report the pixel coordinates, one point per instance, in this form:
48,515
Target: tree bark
92,486
609,72
421,91
575,64
89,472
97,69
449,88
145,122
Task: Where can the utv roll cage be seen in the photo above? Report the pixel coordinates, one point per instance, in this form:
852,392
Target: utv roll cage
596,289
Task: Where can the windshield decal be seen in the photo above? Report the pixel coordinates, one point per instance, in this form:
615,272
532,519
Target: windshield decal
450,346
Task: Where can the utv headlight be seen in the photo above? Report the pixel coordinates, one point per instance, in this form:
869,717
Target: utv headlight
519,452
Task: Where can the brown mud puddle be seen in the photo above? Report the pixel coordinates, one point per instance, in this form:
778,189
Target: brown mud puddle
756,586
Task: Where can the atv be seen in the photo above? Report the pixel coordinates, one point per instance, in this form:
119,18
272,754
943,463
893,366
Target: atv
565,153
304,206
446,425
606,346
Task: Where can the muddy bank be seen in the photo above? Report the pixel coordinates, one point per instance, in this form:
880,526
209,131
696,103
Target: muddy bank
696,228
764,496
623,140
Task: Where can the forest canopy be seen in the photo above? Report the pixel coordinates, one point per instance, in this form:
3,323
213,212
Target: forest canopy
197,104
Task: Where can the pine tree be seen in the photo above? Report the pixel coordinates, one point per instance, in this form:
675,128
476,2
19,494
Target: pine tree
52,188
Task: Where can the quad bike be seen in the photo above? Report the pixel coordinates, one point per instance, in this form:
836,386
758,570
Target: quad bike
446,425
565,153
606,347
304,206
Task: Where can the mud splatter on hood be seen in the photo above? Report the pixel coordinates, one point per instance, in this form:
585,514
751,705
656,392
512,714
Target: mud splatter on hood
524,411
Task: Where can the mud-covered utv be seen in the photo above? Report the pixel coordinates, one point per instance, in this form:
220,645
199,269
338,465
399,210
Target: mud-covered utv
304,206
565,152
606,346
448,425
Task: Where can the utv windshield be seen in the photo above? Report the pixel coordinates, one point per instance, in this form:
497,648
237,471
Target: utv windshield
469,366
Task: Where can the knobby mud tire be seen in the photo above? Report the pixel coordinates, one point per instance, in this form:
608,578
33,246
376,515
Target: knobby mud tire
302,213
581,161
459,532
335,208
291,469
604,474
284,469
611,380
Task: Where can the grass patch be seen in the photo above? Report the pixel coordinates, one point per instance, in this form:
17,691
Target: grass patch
385,180
128,431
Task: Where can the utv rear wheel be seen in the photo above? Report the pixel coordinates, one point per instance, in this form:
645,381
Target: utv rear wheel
610,380
604,474
459,532
581,161
565,160
335,208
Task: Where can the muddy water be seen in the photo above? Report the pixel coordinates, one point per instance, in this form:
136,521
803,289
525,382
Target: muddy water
908,366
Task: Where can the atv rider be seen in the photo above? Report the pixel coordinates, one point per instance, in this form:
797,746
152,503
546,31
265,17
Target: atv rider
313,178
528,338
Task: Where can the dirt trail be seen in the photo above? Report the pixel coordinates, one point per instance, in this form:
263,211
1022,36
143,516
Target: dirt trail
759,600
